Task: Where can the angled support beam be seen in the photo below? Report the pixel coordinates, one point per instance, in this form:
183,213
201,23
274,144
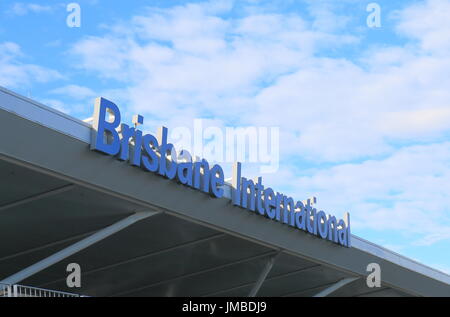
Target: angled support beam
181,277
141,257
48,245
333,288
267,279
80,245
294,293
43,195
262,277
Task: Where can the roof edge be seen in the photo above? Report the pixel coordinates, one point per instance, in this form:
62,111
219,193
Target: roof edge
56,120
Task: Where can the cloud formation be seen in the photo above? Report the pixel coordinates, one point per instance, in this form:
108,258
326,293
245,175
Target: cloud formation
16,73
363,126
268,68
20,8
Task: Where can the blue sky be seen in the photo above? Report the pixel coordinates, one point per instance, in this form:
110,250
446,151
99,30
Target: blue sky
363,112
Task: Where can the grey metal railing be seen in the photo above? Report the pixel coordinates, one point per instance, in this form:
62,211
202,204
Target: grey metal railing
7,290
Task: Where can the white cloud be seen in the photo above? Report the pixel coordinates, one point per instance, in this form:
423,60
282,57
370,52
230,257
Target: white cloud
324,15
428,23
107,56
407,191
16,73
416,122
75,92
193,62
21,9
263,69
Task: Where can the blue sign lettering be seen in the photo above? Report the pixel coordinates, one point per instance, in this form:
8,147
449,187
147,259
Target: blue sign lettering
155,154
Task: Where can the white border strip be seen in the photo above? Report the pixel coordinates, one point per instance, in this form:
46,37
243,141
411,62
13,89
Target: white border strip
44,115
399,259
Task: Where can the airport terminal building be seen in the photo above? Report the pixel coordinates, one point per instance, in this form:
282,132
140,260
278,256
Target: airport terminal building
64,200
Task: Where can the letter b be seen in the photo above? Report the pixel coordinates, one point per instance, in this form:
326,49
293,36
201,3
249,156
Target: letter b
103,130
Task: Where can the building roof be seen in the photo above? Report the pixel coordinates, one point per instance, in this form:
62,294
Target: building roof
56,192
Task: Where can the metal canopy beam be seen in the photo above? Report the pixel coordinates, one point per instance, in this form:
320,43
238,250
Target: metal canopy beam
212,269
48,245
141,257
267,279
262,277
43,195
74,248
294,293
333,288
